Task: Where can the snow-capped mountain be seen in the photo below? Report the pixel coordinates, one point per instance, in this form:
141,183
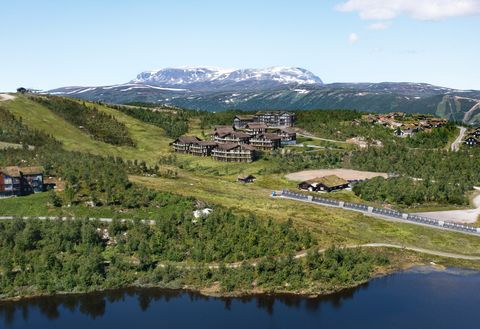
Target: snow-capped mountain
213,79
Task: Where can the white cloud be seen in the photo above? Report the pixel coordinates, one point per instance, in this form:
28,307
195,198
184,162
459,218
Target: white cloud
379,26
353,37
417,9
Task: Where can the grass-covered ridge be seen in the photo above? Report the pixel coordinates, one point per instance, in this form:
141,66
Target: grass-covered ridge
100,126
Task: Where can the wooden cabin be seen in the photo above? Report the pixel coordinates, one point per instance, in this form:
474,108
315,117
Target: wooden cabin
233,152
183,143
471,141
324,184
18,181
276,118
241,121
203,148
255,128
236,137
246,179
266,141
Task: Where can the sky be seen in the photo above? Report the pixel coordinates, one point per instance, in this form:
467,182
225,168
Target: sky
47,44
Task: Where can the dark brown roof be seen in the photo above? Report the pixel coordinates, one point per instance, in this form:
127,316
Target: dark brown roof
207,143
188,139
239,134
257,125
244,117
268,136
231,146
235,134
223,129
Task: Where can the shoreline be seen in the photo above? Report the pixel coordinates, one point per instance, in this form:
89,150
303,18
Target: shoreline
215,292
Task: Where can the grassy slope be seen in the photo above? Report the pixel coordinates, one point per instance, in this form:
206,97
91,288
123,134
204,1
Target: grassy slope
214,182
150,140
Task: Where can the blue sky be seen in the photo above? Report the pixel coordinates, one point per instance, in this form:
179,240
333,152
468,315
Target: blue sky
47,44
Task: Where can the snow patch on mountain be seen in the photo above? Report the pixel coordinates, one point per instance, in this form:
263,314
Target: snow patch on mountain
226,78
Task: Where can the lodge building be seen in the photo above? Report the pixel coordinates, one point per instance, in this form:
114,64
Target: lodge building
231,152
266,141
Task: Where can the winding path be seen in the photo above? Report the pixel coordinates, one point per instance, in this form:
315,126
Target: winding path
456,144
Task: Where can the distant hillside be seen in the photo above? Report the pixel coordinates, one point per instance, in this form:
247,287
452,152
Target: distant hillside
280,88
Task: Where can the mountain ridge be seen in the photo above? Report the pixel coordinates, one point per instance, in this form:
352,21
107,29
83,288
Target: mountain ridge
280,88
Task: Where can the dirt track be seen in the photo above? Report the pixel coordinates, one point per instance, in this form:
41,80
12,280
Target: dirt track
6,97
346,174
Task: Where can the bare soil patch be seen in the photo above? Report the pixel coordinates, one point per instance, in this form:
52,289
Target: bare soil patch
347,174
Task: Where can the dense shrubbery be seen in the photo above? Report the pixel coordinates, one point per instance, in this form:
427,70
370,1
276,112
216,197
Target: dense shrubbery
282,162
337,124
441,176
53,256
12,130
406,191
174,122
99,125
436,138
89,177
316,273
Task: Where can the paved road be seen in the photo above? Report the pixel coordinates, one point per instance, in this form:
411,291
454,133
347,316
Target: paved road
321,139
456,144
456,216
380,216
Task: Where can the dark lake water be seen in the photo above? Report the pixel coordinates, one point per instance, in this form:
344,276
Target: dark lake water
413,299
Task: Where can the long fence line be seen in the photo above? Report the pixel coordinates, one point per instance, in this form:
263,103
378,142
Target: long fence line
380,212
67,218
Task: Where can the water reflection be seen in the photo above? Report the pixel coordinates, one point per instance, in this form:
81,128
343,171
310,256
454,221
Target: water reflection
94,305
390,294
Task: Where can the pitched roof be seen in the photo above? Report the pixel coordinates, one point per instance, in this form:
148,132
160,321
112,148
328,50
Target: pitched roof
207,143
328,181
269,136
188,139
32,170
223,129
256,125
231,146
288,130
15,171
244,117
12,171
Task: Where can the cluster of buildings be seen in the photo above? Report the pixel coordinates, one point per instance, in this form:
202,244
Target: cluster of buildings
405,124
19,181
473,139
240,142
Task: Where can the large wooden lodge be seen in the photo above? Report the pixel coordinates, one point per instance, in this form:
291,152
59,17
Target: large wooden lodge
264,131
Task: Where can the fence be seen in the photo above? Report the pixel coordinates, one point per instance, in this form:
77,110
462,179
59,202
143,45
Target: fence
381,211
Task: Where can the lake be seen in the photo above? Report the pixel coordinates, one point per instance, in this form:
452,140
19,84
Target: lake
418,298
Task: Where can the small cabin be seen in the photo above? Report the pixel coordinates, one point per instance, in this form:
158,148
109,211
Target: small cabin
324,184
471,141
246,179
